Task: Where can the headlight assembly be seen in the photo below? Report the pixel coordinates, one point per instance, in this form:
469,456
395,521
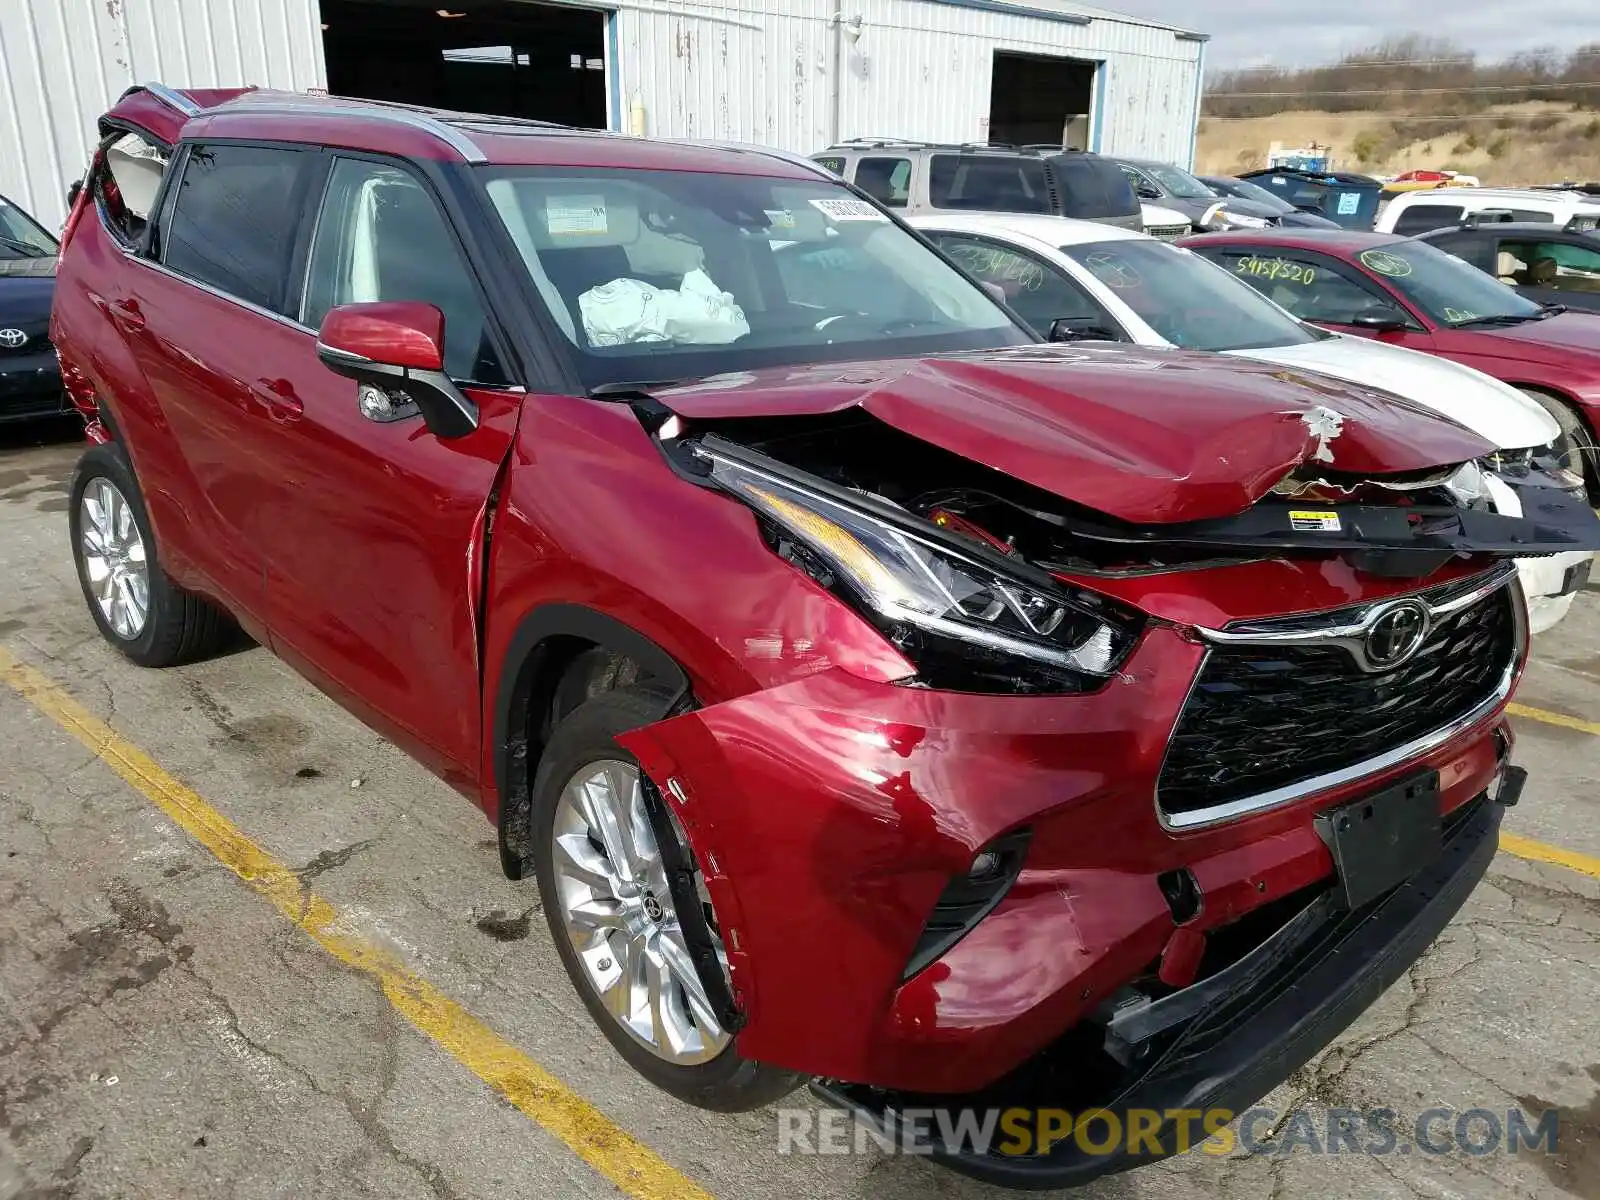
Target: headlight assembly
965,623
1224,219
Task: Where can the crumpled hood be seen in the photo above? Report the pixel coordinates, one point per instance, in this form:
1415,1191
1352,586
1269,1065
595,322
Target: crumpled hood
1495,411
1146,436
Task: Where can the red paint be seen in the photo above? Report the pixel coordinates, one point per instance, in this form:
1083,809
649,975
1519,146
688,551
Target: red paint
400,334
828,803
1148,436
1559,355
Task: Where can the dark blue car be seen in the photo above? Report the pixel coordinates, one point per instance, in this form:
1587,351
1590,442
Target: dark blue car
30,376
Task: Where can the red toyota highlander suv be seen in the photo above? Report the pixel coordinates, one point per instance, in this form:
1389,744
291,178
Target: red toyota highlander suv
876,694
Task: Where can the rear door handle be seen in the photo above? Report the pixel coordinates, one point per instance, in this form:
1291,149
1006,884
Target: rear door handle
277,396
128,314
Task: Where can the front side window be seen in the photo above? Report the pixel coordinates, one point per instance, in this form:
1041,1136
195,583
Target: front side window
655,275
1448,290
21,236
234,218
381,237
988,183
1309,287
1186,299
1420,218
886,180
1563,266
1040,293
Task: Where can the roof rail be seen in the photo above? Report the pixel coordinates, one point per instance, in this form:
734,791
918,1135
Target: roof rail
174,100
788,156
271,103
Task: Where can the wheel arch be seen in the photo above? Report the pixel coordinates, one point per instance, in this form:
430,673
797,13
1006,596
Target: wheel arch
548,647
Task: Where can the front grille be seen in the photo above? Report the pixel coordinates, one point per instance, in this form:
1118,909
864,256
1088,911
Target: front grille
1262,717
1168,233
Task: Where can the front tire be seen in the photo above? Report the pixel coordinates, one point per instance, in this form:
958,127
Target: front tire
1575,448
137,608
612,917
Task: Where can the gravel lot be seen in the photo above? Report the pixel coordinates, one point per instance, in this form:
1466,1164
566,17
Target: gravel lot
167,1029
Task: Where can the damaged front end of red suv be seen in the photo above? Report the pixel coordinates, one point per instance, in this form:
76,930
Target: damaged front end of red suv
1200,746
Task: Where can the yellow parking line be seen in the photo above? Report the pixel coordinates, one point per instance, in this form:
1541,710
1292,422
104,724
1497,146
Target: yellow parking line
1522,847
1554,718
629,1164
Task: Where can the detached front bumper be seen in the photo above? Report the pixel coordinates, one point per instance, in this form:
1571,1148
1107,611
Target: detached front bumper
1232,1053
1549,585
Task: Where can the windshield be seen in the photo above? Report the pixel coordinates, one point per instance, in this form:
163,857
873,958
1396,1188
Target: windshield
1188,300
1246,190
20,237
1448,290
1179,183
656,275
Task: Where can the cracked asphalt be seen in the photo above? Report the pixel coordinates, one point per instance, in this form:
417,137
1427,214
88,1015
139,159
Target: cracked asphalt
165,1032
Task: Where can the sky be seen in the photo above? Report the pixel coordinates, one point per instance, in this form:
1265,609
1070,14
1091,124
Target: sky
1300,33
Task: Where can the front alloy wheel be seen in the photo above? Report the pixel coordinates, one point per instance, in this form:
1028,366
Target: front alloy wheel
618,913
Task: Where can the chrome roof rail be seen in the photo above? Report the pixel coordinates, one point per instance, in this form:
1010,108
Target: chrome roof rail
269,104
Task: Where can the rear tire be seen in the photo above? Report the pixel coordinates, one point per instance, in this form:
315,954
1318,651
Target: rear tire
1575,447
659,1024
137,608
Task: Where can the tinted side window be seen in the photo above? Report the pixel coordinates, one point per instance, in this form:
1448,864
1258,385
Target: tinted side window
1309,287
1040,293
886,180
1420,218
988,183
1560,265
1538,217
1473,248
234,219
1092,187
381,237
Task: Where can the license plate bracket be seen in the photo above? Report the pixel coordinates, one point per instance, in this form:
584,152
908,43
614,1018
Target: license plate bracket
1383,838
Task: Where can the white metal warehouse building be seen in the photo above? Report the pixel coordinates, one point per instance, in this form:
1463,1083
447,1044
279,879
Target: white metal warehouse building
798,74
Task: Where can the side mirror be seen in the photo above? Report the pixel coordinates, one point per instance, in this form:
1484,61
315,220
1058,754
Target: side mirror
1147,192
395,351
1080,329
72,194
1383,318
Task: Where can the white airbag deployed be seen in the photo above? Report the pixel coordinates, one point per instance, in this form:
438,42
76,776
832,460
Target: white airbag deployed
697,313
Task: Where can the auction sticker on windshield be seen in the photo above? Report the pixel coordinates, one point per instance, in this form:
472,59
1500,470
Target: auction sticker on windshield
1385,263
567,215
1277,268
848,210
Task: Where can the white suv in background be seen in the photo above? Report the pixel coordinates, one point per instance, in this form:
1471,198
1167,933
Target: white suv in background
1075,280
1442,208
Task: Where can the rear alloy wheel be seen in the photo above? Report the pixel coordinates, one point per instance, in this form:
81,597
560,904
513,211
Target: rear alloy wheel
114,562
137,608
598,825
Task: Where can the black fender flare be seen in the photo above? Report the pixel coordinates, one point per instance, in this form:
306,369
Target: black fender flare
513,770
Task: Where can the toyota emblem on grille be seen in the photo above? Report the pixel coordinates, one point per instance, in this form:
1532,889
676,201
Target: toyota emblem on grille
1396,635
13,339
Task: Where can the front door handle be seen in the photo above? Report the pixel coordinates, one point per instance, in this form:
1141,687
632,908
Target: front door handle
277,396
128,314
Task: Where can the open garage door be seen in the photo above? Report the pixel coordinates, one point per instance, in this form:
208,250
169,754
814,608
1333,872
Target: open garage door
1038,98
508,57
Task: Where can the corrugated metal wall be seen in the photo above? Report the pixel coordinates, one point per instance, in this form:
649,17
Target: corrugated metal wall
63,62
744,70
762,71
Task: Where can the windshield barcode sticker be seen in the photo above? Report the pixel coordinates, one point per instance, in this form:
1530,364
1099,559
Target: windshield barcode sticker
1302,521
567,215
848,210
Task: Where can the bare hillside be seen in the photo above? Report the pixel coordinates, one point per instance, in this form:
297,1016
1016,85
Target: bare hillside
1530,142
